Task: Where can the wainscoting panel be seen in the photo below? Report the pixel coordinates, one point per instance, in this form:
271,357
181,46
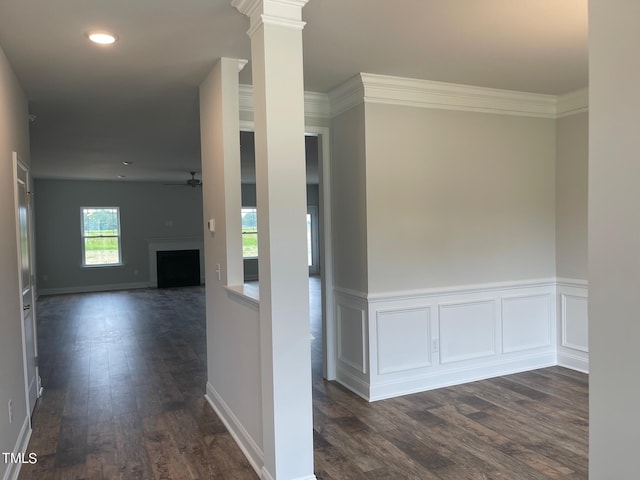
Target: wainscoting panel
403,339
397,343
573,334
351,337
575,322
467,331
526,322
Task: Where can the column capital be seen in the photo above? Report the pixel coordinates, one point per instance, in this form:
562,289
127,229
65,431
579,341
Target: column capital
285,13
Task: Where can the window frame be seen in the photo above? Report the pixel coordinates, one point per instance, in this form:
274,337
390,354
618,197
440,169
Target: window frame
84,237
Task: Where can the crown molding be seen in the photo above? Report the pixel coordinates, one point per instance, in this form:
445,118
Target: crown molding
283,13
572,103
316,105
241,64
346,95
428,94
248,7
383,89
368,88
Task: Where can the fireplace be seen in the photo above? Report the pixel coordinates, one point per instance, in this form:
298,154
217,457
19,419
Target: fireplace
178,268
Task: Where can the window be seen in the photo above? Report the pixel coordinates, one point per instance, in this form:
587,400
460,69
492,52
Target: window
100,236
249,233
312,240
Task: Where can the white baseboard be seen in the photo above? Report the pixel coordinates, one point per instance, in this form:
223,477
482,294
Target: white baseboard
463,375
94,288
353,383
13,469
265,475
574,361
247,444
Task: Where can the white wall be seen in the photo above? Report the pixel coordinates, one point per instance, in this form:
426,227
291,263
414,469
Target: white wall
572,144
614,239
14,136
234,383
149,212
348,197
457,198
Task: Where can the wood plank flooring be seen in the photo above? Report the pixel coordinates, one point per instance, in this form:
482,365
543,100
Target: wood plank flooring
124,376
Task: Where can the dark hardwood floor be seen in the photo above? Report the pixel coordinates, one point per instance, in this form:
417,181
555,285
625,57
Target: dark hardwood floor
124,376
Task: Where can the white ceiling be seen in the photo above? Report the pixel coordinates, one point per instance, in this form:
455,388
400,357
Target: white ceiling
138,100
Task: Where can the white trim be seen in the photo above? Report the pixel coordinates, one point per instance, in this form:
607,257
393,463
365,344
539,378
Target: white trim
575,357
355,294
492,351
278,22
573,362
249,297
483,371
267,476
249,447
565,318
352,382
361,367
84,237
346,95
409,92
572,103
541,352
94,288
380,314
550,299
316,105
451,290
13,469
429,94
329,337
571,282
18,165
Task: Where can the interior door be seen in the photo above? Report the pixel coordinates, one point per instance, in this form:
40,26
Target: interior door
29,338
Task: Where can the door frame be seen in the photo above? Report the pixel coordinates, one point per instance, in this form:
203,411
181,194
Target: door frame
325,247
19,165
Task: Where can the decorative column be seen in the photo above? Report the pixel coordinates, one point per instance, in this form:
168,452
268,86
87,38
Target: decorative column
278,96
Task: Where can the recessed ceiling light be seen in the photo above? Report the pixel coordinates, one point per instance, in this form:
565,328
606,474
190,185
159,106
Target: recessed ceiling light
102,38
127,163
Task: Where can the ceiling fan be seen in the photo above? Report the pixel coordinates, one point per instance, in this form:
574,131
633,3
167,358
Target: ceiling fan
192,182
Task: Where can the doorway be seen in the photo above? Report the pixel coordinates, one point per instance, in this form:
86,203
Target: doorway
317,148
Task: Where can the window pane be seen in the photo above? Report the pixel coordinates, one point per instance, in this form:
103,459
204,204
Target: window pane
249,220
100,251
249,245
100,221
249,233
309,245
